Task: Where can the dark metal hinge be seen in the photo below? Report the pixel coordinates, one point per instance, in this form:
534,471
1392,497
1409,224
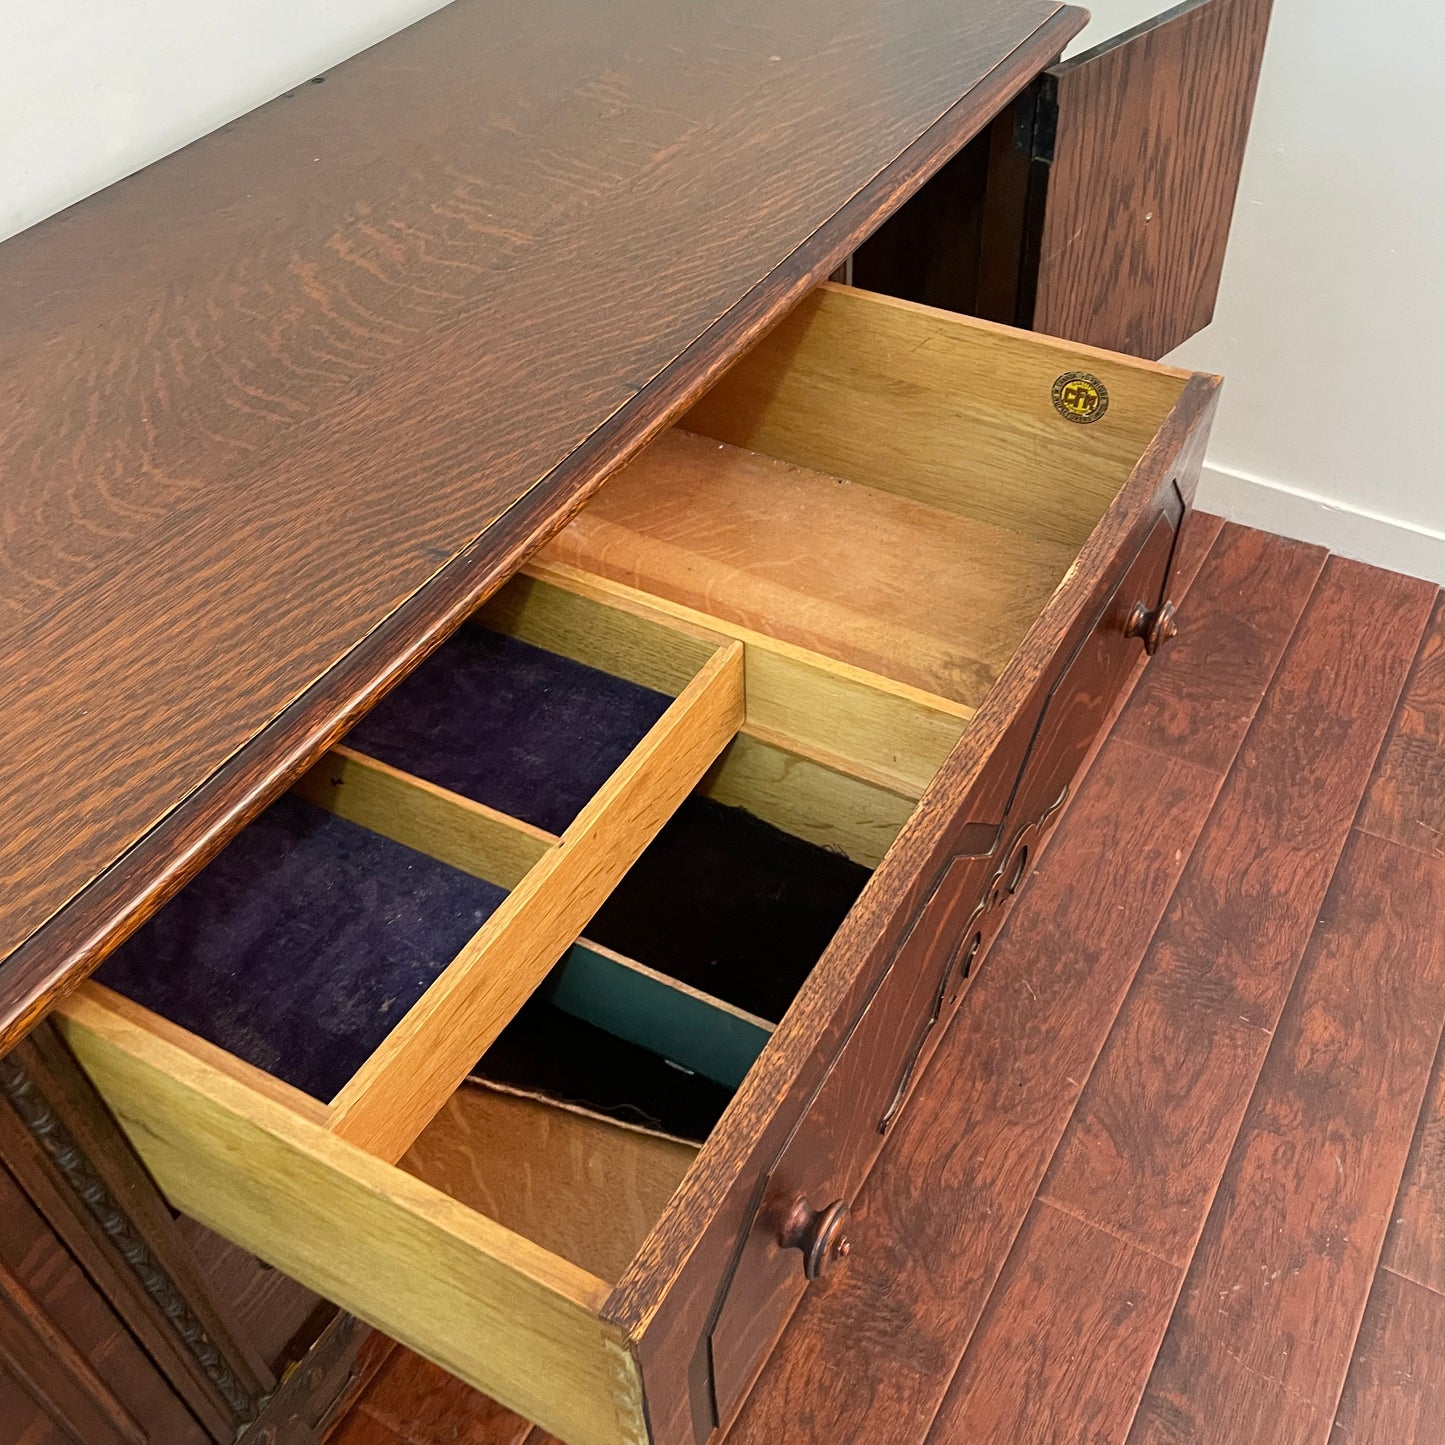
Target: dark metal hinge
1036,120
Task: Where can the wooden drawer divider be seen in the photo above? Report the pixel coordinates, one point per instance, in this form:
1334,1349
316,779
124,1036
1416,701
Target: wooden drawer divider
400,1088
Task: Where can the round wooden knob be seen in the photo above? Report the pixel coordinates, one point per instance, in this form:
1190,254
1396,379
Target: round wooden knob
1156,627
818,1233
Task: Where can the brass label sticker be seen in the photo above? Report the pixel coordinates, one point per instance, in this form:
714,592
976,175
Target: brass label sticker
1080,397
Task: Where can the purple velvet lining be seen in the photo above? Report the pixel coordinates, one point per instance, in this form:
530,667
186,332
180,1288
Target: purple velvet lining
304,943
523,730
301,946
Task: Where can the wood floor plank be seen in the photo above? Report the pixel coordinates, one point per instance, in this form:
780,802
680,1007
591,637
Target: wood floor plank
1259,1346
362,1428
1200,694
1201,531
869,1356
1407,794
1395,1392
1415,1244
424,1405
1150,1137
1040,1366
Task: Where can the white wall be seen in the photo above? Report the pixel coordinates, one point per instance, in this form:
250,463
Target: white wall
1332,424
91,90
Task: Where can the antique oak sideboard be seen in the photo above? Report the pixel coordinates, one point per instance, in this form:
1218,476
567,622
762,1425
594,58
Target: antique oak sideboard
359,739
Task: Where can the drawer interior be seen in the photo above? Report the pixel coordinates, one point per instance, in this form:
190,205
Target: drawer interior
577,865
367,938
525,932
388,967
882,485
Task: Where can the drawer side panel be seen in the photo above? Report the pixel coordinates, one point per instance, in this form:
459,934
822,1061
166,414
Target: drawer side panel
484,1303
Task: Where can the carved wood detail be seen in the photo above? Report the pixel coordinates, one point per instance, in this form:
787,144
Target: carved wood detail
80,1176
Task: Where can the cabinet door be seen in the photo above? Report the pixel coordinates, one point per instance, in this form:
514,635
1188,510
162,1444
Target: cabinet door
1097,206
123,1299
120,1322
70,1370
1112,182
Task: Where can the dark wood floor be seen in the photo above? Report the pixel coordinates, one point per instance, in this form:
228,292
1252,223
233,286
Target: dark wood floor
1177,1172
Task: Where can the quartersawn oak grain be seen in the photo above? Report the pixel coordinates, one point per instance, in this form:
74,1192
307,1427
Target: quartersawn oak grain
1140,193
1148,1141
283,408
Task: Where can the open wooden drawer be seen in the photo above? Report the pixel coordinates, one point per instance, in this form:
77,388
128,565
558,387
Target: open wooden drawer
950,624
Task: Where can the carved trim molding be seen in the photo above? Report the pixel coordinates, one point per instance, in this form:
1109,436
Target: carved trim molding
86,1184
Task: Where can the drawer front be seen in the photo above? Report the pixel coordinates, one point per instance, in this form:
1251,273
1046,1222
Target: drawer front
798,1231
1079,701
804,1196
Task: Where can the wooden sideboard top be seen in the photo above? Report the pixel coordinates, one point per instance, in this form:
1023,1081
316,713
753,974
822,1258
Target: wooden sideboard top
280,409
